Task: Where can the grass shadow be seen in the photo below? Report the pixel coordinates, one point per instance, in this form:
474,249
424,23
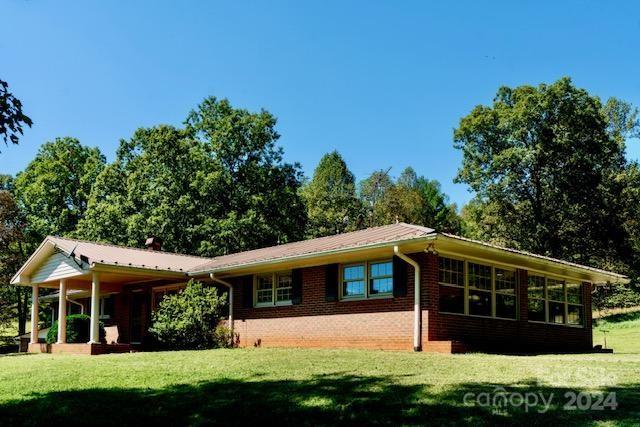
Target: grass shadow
617,318
322,400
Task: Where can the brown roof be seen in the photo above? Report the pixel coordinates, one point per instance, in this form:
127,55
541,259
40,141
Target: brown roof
103,253
356,239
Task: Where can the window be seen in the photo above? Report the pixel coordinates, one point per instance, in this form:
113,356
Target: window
536,303
483,291
555,297
505,293
574,303
353,281
367,279
106,307
273,289
479,277
380,277
451,280
555,301
283,290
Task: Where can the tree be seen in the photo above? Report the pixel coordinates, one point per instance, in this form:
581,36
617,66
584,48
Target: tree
411,198
14,300
330,197
217,186
548,167
12,119
54,188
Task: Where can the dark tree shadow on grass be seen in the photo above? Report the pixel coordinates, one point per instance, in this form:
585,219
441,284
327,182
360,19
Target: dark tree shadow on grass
324,400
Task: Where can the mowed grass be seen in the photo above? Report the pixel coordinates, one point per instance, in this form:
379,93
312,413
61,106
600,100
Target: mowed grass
622,332
309,387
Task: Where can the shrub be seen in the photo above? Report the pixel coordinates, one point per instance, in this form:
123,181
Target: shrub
188,319
77,329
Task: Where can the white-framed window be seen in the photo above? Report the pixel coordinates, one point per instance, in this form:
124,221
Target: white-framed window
368,279
556,301
106,307
477,289
273,289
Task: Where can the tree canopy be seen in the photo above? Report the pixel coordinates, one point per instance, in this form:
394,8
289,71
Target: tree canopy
548,167
330,197
53,190
218,185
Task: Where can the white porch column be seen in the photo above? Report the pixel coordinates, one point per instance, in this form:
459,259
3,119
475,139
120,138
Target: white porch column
62,313
35,307
94,331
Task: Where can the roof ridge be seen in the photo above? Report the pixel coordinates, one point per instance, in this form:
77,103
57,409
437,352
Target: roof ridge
128,247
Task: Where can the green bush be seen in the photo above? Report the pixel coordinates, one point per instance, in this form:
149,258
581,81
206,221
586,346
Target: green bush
77,329
188,319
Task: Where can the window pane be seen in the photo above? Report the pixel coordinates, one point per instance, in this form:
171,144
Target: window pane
381,286
451,271
283,291
479,303
536,310
574,293
505,281
264,291
506,306
536,287
355,288
353,272
381,269
479,276
451,299
556,312
555,289
575,314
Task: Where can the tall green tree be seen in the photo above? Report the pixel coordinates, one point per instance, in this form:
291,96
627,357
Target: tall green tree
410,198
12,119
548,166
330,197
217,186
53,190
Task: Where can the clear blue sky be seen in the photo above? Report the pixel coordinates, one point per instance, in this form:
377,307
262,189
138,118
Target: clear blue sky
384,83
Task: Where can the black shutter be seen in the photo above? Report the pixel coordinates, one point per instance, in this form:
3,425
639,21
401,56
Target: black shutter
296,286
247,291
399,277
331,282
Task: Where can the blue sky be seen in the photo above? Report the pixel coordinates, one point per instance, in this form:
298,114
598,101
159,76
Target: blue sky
384,83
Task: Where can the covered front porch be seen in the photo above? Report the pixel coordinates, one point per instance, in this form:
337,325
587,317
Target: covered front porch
94,279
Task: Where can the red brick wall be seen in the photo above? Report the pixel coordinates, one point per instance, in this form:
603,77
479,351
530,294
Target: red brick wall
388,323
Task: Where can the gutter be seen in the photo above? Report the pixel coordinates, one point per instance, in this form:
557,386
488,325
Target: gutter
230,286
417,316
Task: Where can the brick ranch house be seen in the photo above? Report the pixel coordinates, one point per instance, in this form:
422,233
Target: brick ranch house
398,287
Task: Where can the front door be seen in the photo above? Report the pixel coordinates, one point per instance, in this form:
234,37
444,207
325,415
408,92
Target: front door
138,315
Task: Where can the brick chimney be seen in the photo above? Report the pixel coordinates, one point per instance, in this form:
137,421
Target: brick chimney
153,243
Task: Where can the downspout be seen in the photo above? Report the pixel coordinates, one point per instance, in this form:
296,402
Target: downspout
417,316
230,286
76,303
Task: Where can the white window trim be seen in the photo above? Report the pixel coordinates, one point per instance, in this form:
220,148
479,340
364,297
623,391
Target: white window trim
493,289
367,295
274,288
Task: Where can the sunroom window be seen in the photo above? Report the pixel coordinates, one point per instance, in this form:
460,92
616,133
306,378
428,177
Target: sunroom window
555,301
477,289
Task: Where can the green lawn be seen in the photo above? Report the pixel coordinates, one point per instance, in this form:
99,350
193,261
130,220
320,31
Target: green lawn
307,387
622,332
